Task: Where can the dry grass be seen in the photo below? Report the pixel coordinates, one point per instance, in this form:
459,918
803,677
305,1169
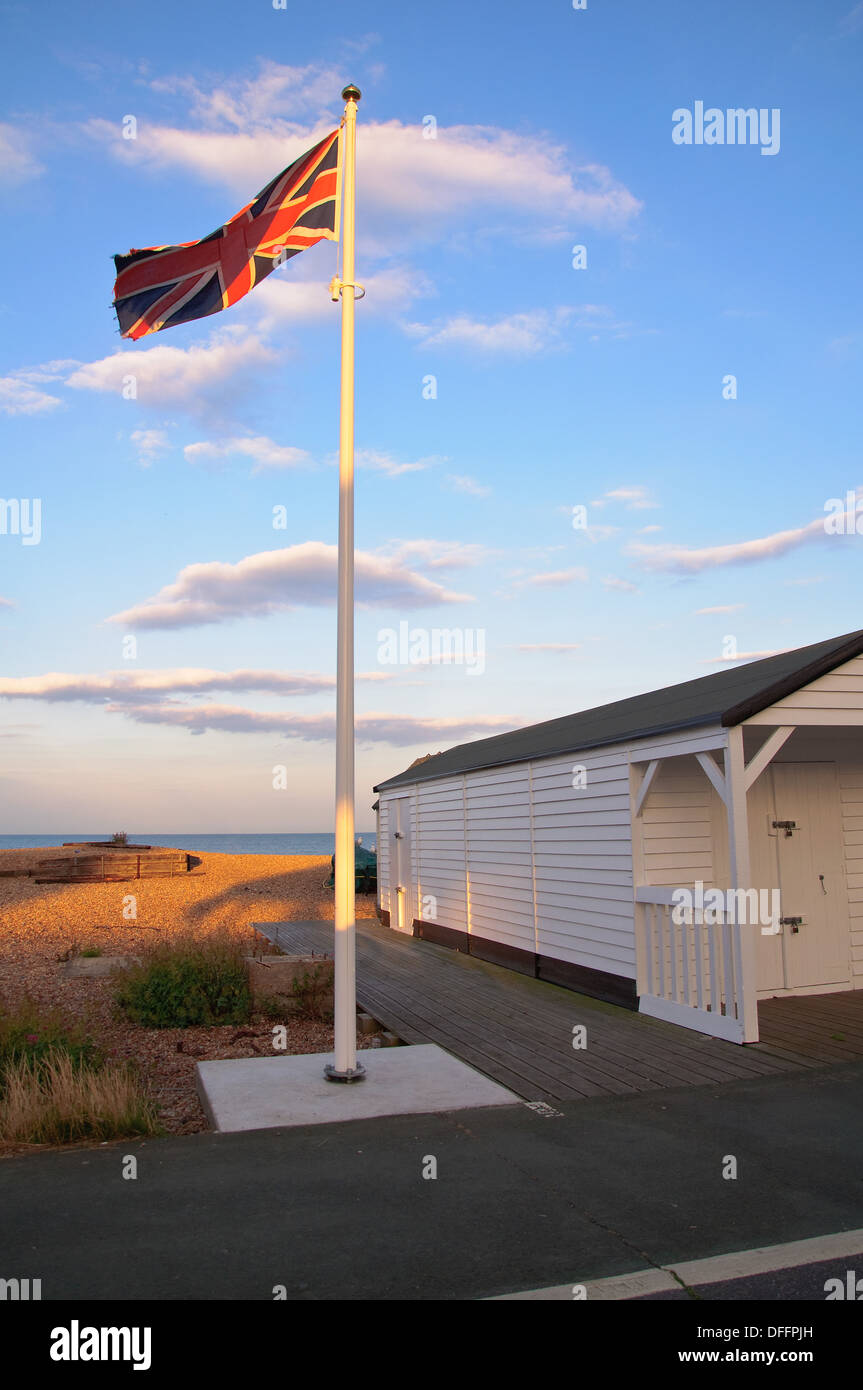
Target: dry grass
40,923
55,1101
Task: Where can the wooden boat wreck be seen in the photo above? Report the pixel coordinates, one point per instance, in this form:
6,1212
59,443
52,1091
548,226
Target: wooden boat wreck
92,863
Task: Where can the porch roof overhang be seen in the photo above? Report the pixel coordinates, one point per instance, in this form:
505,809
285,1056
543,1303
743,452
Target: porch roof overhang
837,652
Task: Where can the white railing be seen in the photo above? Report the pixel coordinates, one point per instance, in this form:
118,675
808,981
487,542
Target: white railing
690,971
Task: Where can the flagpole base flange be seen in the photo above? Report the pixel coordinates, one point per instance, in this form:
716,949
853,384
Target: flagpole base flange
352,1074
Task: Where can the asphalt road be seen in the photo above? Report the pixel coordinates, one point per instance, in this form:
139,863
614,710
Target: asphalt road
520,1201
800,1284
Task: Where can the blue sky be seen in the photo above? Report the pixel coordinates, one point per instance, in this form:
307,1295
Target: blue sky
556,387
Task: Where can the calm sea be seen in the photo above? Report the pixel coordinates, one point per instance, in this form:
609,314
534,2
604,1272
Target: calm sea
322,843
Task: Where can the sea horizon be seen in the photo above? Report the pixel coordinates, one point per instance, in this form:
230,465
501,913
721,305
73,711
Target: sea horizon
286,843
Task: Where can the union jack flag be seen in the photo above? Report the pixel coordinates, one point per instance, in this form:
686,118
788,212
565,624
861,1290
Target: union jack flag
163,285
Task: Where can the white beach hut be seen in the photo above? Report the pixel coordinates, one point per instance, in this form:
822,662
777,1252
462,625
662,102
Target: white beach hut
557,850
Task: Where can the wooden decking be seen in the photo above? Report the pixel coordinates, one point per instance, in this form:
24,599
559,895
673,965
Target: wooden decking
519,1031
822,1028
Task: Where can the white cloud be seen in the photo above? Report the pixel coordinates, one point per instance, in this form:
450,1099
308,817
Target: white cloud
267,454
437,555
278,92
623,585
520,335
192,378
276,580
377,462
135,686
264,452
395,730
596,533
239,134
18,164
742,656
463,482
149,444
845,346
469,166
247,130
686,560
556,578
19,397
720,608
550,646
635,497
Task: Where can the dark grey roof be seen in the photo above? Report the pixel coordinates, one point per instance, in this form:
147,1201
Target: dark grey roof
728,697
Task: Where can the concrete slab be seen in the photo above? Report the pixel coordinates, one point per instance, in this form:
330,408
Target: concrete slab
279,1092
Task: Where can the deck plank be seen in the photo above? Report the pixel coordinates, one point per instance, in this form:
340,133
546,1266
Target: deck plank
518,1030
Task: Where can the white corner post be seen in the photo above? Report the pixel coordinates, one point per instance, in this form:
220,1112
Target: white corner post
345,1067
746,987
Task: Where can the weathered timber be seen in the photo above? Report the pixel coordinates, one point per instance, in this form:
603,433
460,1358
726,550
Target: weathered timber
117,866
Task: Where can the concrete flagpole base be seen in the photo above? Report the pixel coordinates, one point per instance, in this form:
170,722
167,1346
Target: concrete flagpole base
282,1092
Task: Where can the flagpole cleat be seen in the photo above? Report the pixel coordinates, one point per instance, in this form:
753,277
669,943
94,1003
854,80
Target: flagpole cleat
337,285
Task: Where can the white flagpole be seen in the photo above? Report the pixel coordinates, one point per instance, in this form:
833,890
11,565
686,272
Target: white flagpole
346,1068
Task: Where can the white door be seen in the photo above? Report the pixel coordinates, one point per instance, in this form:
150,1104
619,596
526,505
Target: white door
803,858
764,873
402,869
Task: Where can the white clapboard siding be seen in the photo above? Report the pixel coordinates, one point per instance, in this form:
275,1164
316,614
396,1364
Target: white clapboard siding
441,889
583,861
416,837
499,855
836,698
678,824
851,797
